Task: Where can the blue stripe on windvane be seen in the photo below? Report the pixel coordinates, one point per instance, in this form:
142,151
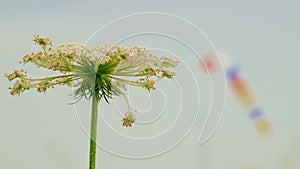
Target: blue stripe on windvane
232,72
255,113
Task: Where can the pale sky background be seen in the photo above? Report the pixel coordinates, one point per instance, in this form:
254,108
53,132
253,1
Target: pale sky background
42,130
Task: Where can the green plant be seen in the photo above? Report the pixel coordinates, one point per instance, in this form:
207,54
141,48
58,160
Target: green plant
96,72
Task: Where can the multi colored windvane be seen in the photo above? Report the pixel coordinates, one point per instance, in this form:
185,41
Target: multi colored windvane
239,87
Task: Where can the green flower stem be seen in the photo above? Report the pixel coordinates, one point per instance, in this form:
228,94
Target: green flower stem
93,136
127,81
49,78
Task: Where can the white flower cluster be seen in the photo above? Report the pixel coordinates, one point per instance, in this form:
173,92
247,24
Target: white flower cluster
102,71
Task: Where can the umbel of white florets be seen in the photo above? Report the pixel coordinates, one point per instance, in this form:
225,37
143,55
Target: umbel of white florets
102,71
128,119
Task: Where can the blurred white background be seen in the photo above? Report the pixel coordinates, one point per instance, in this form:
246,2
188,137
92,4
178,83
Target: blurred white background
42,131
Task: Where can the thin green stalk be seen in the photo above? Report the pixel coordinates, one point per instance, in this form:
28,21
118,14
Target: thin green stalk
93,137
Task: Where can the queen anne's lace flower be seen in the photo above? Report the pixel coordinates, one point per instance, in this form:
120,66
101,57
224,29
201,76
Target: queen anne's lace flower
102,71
